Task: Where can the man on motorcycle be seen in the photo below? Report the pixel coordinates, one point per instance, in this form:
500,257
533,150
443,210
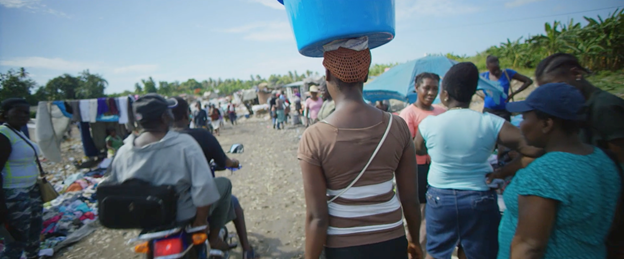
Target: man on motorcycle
161,156
212,151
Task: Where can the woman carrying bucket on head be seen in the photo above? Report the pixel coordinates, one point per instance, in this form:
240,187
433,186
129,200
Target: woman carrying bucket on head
351,158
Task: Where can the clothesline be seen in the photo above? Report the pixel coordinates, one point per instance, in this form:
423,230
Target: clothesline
100,109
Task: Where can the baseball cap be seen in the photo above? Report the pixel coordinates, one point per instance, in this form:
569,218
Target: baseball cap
555,99
314,89
151,106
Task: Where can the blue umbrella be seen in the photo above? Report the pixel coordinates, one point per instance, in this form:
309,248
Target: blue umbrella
398,82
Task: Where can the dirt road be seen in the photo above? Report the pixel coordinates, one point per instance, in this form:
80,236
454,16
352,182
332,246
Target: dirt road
268,186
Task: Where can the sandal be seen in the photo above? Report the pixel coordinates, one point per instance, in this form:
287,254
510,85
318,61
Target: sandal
250,254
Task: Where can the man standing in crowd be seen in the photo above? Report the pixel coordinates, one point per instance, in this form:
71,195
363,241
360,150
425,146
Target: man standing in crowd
504,78
200,117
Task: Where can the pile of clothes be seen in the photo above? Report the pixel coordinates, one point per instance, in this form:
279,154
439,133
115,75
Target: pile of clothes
74,210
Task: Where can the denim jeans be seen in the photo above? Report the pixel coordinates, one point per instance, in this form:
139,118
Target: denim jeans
466,218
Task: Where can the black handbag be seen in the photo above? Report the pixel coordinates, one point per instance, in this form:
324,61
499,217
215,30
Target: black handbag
136,204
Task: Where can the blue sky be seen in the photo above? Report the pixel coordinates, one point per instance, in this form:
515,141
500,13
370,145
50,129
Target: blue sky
176,40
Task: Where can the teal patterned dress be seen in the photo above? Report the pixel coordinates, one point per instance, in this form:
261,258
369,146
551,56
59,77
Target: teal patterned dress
587,188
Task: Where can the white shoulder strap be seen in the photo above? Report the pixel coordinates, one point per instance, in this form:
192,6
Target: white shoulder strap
383,139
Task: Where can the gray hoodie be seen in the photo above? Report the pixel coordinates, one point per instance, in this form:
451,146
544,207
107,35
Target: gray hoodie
177,160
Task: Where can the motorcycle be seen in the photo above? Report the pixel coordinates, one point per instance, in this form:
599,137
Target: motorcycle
179,242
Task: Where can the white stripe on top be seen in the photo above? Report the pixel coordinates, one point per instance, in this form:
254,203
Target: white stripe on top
362,229
361,192
358,211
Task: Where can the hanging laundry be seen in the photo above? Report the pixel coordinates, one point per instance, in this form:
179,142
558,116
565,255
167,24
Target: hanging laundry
87,142
93,110
112,106
123,109
50,125
75,105
85,110
102,106
61,106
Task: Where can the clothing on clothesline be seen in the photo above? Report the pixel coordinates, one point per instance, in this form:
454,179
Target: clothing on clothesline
93,112
85,107
76,116
123,109
63,108
112,106
102,106
87,142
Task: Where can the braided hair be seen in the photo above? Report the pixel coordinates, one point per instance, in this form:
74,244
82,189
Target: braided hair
461,81
422,76
556,62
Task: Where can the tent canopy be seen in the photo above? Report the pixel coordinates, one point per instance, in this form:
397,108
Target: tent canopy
398,82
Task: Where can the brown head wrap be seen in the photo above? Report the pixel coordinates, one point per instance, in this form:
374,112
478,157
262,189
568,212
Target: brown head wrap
350,66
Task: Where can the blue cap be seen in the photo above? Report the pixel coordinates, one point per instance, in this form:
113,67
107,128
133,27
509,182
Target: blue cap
555,99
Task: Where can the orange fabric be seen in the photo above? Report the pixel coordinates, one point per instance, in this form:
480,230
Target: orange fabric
413,116
74,187
348,65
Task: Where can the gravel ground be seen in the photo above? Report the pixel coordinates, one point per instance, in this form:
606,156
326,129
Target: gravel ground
268,186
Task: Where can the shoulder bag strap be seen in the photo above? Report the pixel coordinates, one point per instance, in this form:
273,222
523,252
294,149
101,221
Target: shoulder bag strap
33,148
369,161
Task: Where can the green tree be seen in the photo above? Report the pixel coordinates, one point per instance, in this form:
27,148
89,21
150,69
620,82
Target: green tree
61,88
91,85
17,84
149,86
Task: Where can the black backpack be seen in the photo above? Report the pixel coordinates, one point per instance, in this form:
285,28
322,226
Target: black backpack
136,204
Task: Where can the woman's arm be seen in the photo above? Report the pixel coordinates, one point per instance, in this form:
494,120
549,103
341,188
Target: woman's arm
109,144
419,144
407,185
317,216
511,168
511,137
526,82
536,219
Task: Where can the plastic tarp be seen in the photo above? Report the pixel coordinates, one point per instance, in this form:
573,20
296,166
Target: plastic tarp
398,82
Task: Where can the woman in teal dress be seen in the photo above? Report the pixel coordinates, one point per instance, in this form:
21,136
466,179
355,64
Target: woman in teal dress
562,205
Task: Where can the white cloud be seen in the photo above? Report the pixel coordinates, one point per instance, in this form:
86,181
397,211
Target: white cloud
135,69
517,3
410,8
263,31
34,6
270,3
48,63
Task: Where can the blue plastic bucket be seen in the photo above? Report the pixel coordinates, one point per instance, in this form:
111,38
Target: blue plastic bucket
318,22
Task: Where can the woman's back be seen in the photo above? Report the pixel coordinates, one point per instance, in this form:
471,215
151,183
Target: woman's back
587,188
369,212
459,143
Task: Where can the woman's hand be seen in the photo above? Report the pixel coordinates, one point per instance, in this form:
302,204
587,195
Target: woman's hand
414,251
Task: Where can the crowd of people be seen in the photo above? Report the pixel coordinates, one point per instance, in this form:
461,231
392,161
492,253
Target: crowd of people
564,200
379,185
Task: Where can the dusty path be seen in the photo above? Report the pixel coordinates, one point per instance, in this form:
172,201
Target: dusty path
269,188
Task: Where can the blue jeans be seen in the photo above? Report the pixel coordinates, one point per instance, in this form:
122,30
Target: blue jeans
466,218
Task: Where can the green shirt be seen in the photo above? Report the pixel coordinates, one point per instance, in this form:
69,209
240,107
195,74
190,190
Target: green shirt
605,118
116,142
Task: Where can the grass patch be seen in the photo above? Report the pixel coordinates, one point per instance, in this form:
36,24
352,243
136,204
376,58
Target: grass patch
610,81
